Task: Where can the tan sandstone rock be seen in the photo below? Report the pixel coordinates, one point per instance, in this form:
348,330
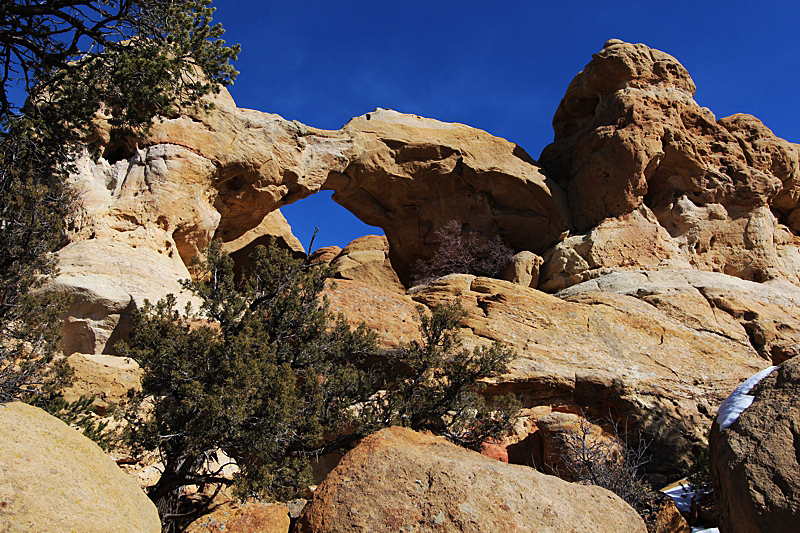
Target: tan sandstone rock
249,517
592,350
52,478
629,134
366,259
399,480
523,269
763,315
106,377
148,205
412,175
108,280
392,316
596,350
754,462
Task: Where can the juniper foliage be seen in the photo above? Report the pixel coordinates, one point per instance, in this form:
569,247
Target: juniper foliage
270,377
62,62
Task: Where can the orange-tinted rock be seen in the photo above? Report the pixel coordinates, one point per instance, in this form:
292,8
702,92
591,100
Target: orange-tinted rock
391,315
667,519
399,480
629,134
250,517
366,259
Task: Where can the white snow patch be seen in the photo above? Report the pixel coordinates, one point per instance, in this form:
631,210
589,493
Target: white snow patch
681,495
739,400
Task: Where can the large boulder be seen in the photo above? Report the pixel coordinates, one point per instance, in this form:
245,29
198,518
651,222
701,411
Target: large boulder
250,517
52,478
755,458
399,480
629,134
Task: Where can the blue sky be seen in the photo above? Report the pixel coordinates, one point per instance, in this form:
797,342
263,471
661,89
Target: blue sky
500,66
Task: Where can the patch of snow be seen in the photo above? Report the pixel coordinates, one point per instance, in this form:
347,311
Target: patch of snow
682,496
739,400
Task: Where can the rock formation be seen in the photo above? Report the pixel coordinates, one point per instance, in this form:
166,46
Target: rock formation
599,351
718,194
399,480
761,315
670,238
366,259
250,517
755,463
52,478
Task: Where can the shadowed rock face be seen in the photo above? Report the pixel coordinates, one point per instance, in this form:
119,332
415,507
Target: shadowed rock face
755,462
629,135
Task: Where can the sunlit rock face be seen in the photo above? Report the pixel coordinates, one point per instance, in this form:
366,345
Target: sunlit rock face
667,236
630,137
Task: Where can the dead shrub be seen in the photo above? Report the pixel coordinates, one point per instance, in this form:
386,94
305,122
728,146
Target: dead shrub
463,252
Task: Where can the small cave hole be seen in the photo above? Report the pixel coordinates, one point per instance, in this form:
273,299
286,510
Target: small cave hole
234,184
120,150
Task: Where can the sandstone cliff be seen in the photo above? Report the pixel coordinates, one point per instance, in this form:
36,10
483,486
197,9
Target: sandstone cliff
671,235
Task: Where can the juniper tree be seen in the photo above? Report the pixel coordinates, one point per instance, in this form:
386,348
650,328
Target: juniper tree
266,374
62,62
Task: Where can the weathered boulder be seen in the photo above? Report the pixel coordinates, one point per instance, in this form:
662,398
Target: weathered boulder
366,259
107,378
107,280
249,517
523,269
628,134
52,478
755,462
326,254
399,480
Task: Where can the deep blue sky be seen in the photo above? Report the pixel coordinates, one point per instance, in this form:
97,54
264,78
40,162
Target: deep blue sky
501,66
